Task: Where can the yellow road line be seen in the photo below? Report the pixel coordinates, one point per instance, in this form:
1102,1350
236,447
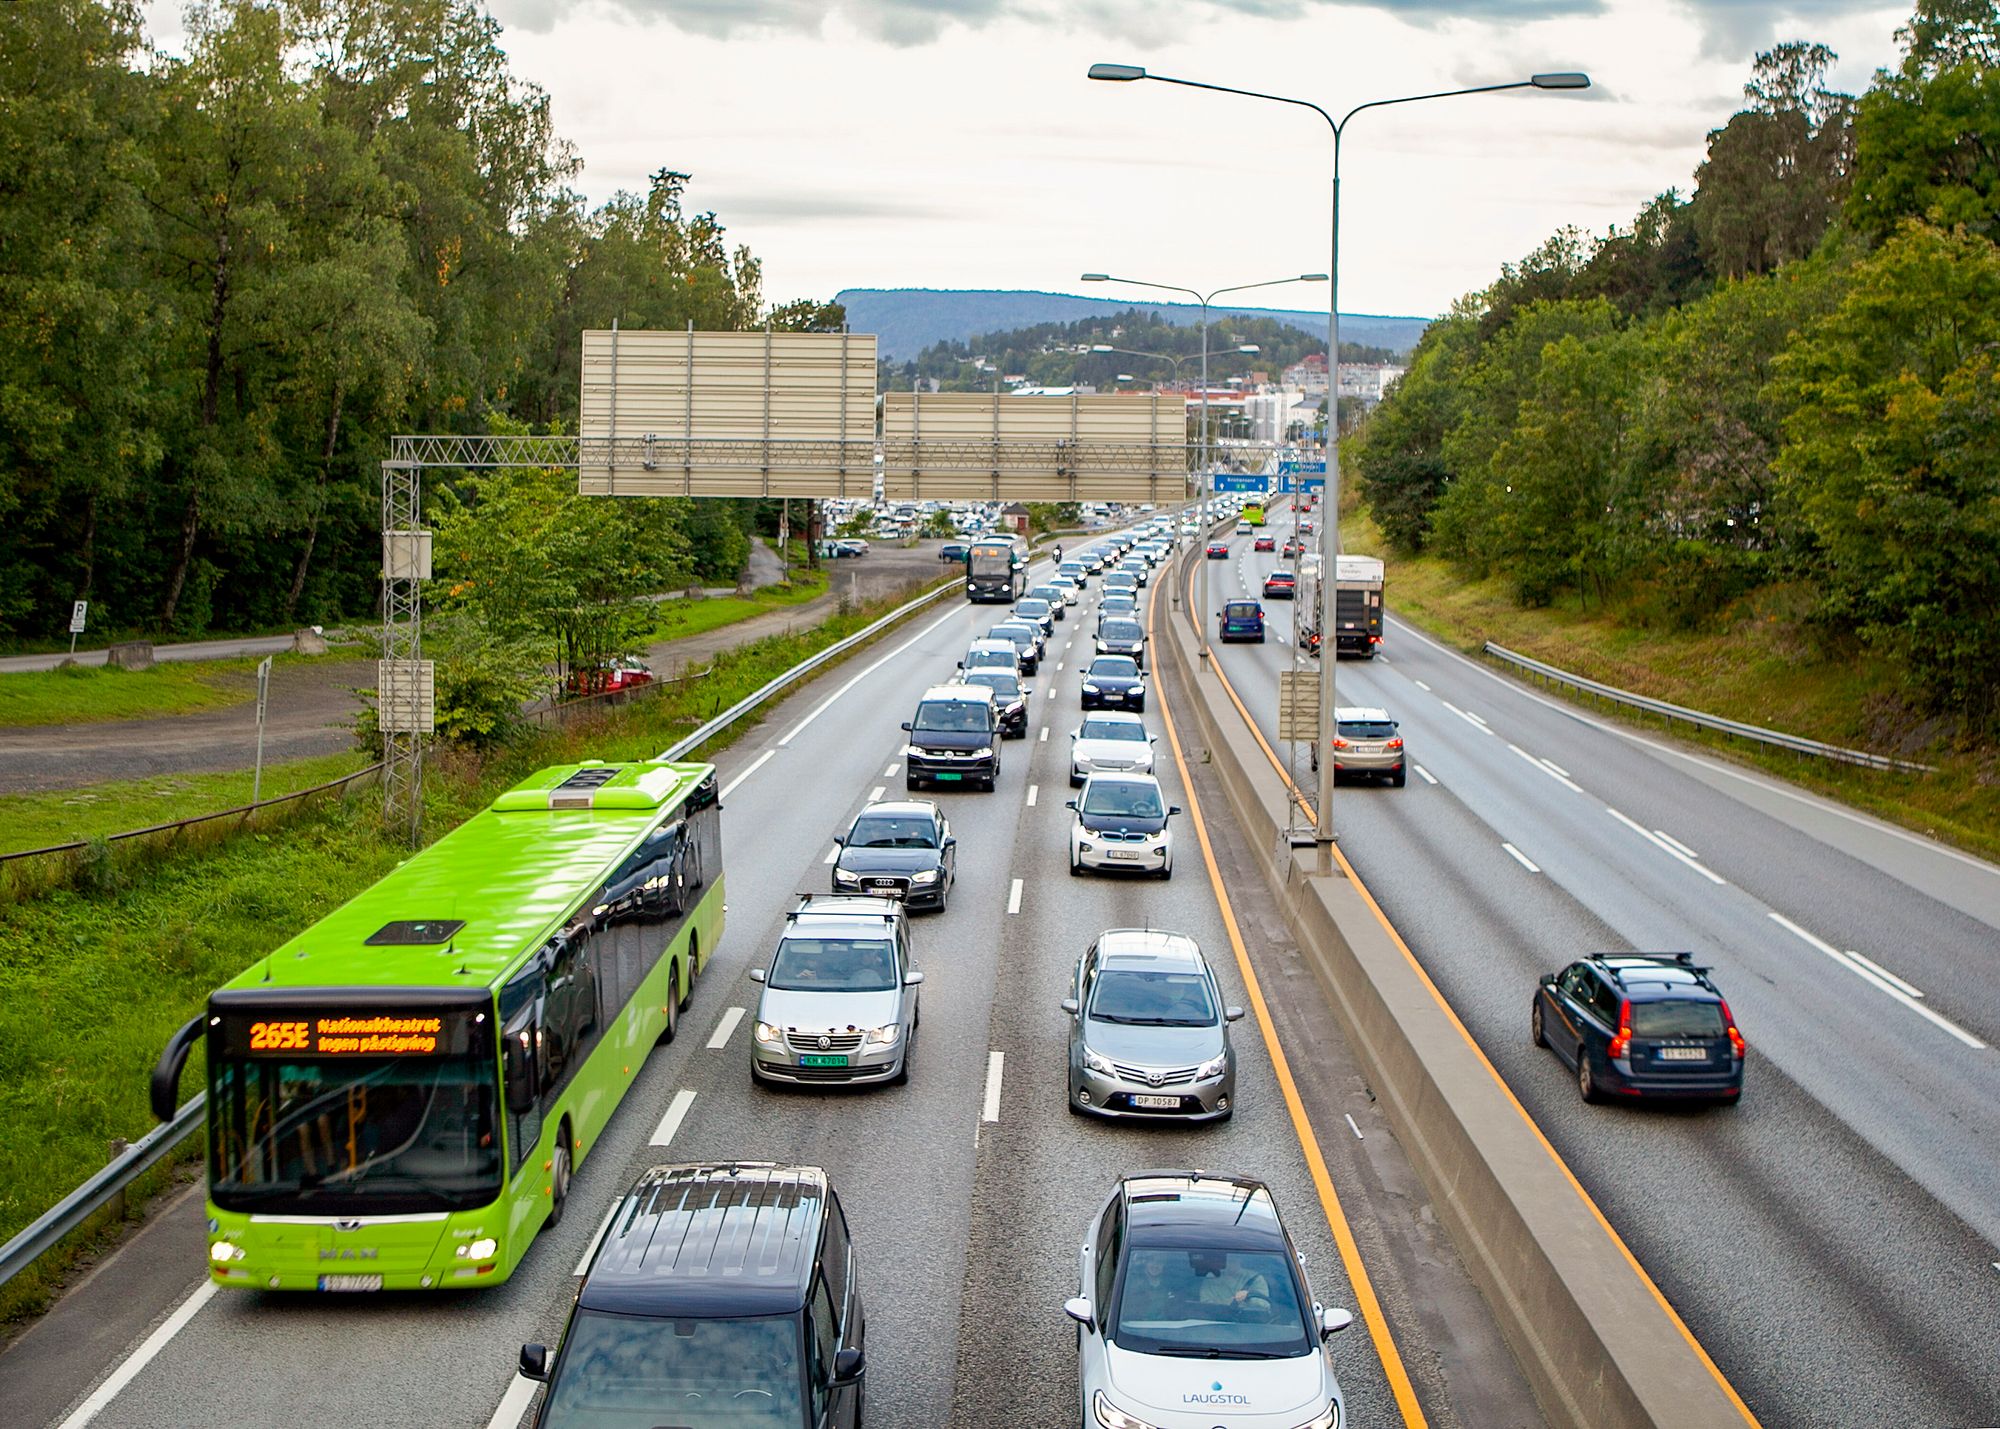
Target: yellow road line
1329,1199
1722,1380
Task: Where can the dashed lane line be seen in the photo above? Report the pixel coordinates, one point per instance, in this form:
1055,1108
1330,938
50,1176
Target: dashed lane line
149,1348
1032,788
720,1037
677,1111
1520,858
1666,848
1014,897
1424,774
1880,984
995,1063
755,765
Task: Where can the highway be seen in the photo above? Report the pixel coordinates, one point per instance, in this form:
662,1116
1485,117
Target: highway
1833,1240
967,1190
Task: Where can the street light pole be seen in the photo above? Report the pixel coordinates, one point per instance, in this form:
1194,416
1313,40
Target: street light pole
1201,486
1329,526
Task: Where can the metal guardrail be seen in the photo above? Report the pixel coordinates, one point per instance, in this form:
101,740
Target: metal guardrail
107,1185
1672,713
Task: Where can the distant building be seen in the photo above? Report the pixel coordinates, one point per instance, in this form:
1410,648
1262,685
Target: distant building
1369,381
1308,375
1014,516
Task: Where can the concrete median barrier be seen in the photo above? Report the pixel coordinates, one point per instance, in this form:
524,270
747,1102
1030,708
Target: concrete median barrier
1595,1337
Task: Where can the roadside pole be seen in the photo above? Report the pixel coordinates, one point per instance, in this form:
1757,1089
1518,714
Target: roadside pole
263,694
77,612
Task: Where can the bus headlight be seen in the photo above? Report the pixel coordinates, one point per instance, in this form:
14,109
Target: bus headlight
223,1252
479,1249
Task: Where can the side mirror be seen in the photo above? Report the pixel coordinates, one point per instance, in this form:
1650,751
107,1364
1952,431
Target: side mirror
1069,803
848,1365
535,1362
1152,739
1332,1322
951,840
1071,1006
1232,1014
912,979
166,1082
1548,979
756,974
1173,809
840,840
1078,1309
906,723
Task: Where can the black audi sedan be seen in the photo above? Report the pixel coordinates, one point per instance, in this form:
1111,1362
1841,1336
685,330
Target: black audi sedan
901,849
1640,1025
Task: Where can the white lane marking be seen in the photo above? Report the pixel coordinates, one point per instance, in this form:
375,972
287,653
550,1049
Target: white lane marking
827,704
994,1061
1059,664
1768,786
1421,685
1476,719
755,765
1520,858
890,772
1669,838
1031,794
1884,973
875,794
1650,837
1352,1127
1014,897
1476,724
143,1356
1557,767
1044,737
720,1037
513,1404
1536,764
591,1250
677,1111
1880,984
1424,774
831,854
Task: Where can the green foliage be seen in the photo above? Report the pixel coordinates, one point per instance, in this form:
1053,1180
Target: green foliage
1930,131
1893,461
1400,452
936,525
483,678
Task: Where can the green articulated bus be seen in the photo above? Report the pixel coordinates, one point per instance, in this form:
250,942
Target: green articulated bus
398,1096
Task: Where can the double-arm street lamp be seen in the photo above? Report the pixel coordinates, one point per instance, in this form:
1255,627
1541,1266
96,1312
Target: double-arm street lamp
1171,359
1329,529
1201,487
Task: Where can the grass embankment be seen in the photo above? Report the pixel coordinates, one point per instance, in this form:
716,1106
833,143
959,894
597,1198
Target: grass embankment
88,694
1759,665
696,615
92,984
95,810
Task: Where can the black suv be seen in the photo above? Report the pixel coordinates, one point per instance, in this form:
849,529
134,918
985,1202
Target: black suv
1641,1024
720,1293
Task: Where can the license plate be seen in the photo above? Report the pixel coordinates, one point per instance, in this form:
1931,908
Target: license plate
1683,1054
1122,853
818,1060
350,1282
949,778
1157,1103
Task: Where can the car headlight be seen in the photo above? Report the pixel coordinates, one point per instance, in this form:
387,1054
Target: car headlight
984,751
1327,1418
1089,689
1111,1416
1140,688
885,1036
1214,1067
844,875
925,875
769,1034
1093,1062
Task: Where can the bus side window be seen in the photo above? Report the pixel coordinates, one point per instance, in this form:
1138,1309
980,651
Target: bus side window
522,1061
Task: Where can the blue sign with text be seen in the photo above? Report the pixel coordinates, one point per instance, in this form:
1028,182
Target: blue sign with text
1288,465
1225,481
1289,482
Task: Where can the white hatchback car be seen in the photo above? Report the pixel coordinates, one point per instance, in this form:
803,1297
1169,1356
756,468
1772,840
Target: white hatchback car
1109,742
1194,1311
1121,826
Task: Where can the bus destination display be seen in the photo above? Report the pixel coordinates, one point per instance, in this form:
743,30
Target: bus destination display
371,1033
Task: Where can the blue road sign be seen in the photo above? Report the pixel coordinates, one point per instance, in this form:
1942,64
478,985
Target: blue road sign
1289,465
1289,482
1231,482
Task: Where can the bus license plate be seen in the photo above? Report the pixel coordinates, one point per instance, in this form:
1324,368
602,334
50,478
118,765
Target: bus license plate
816,1060
1684,1054
949,778
350,1282
1157,1103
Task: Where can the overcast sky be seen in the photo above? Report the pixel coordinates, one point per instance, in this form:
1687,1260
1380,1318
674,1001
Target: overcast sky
956,143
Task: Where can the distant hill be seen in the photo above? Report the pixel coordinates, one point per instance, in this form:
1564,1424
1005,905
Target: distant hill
907,320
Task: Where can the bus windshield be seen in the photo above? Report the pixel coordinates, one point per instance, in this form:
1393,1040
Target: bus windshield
991,560
376,1135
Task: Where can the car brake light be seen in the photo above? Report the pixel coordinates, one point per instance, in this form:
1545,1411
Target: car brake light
1396,743
1621,1045
1735,1038
1339,743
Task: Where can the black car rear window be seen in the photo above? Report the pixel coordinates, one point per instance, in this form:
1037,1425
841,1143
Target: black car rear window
1122,630
1241,609
1676,1019
1368,728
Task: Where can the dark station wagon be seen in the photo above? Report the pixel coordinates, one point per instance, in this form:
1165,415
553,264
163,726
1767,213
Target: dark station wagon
1640,1025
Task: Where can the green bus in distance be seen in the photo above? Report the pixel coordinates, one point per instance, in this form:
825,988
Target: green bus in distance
398,1096
1253,512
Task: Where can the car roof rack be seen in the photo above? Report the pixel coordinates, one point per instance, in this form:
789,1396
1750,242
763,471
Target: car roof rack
1682,960
806,900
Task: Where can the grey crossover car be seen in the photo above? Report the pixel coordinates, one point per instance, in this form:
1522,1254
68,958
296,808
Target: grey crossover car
1149,1033
1366,741
840,996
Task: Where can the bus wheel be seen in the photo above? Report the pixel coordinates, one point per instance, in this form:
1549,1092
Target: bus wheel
694,969
673,1005
559,1177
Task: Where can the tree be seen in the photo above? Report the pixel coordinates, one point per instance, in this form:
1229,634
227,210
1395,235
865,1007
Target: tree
1892,461
1928,135
1399,454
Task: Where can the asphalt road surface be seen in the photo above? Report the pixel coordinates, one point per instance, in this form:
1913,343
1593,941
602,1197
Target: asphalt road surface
1832,1240
968,1190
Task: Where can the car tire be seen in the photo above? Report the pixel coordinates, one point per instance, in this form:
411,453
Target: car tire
1398,779
1586,1080
1535,1034
902,1077
912,783
1075,868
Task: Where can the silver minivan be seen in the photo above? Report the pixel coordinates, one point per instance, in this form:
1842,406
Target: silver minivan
840,995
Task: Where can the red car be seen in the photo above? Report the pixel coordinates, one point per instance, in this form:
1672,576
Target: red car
1218,551
618,675
1294,549
1264,543
1281,585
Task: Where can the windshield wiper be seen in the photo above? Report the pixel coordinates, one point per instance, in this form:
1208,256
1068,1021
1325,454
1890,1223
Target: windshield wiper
1211,1352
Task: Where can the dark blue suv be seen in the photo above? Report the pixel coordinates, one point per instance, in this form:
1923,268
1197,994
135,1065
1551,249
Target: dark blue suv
1641,1025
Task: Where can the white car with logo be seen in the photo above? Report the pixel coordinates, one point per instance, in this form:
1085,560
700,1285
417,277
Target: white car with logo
1109,742
1194,1312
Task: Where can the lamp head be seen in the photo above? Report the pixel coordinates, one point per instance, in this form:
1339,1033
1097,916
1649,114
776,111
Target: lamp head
1249,347
1117,72
1096,277
1568,79
1312,277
